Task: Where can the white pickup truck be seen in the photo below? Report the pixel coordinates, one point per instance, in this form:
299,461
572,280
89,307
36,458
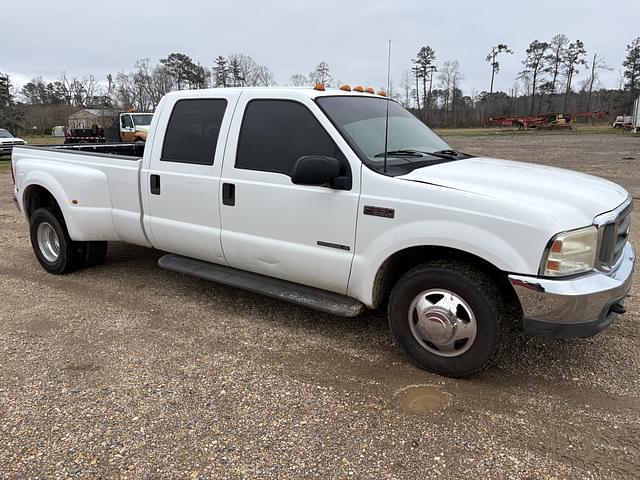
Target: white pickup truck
300,195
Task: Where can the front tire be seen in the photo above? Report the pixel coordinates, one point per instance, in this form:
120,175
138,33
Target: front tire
55,251
449,317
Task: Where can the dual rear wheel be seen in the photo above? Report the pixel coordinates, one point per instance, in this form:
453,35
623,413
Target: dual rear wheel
55,251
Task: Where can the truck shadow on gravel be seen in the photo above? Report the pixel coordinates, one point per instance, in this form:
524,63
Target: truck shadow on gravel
363,344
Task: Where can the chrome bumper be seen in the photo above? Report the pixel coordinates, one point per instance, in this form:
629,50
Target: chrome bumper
575,307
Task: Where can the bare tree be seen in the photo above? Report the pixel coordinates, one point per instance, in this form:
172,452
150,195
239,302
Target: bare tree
597,63
299,80
264,77
405,85
250,73
449,78
321,74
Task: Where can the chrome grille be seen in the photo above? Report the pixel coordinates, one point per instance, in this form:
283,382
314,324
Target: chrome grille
613,237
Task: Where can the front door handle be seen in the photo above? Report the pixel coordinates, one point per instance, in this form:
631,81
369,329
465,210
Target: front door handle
229,194
155,184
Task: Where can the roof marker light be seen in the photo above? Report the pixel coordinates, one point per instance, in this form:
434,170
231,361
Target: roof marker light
370,90
382,93
346,88
319,86
358,89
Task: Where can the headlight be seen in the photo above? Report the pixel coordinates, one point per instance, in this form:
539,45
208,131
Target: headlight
570,253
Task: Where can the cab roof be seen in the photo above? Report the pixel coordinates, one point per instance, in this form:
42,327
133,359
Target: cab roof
310,92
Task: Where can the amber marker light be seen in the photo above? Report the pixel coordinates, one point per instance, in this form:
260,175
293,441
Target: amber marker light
556,247
553,265
345,88
319,87
382,93
370,90
358,89
74,201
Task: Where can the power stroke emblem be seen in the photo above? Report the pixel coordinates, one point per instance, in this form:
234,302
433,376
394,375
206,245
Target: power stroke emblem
379,211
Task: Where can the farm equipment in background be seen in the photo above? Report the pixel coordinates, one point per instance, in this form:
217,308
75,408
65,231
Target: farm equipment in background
104,125
547,121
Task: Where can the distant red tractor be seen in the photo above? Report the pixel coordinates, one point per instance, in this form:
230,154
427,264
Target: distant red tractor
547,121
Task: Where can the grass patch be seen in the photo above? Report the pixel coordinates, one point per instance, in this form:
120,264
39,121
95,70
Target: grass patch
44,140
4,164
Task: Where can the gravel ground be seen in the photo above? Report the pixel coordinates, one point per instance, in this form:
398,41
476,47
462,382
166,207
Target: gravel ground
129,371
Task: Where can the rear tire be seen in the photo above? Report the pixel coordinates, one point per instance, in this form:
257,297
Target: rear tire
55,251
96,253
449,317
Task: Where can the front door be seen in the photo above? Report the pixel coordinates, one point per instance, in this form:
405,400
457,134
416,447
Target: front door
271,226
181,209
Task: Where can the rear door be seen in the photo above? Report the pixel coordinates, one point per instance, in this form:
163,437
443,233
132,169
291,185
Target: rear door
271,226
182,182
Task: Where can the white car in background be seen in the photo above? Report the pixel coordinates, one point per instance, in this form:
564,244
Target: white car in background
8,141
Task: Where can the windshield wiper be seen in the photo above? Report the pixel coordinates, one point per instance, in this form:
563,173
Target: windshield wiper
407,152
401,153
448,154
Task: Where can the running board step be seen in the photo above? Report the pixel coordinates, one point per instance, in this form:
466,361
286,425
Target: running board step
315,298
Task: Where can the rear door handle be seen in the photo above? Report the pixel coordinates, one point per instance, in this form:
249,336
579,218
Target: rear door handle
155,184
229,194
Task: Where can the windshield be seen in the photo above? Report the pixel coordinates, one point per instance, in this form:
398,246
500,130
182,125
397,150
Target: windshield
362,120
5,133
142,120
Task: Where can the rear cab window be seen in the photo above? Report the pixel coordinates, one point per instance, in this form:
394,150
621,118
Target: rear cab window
193,130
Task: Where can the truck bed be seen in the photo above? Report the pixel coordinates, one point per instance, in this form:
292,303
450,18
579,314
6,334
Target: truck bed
127,151
96,186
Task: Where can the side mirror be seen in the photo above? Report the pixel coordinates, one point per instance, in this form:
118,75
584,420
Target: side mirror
319,171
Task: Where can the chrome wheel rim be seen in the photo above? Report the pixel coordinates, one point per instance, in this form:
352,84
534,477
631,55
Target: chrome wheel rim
48,242
442,322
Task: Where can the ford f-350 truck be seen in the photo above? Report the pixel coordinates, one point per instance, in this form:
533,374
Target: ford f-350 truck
341,201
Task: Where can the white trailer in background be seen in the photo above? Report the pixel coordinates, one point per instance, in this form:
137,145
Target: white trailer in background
635,118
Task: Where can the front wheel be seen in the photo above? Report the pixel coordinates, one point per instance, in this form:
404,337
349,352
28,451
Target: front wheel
449,317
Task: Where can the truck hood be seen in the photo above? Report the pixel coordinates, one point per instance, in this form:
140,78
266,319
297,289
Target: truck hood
565,195
142,128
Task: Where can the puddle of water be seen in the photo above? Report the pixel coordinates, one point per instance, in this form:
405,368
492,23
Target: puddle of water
421,399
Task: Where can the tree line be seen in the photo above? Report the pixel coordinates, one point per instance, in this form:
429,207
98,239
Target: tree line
546,83
557,75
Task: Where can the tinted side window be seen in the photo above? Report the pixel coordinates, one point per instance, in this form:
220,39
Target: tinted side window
192,133
275,133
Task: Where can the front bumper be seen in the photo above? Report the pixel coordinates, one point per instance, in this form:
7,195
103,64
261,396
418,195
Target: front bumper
576,307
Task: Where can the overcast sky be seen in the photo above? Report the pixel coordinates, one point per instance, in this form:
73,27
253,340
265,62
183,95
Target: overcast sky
45,37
